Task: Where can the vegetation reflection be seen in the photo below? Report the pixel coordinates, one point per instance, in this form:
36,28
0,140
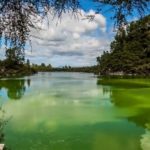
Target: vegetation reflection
135,99
15,88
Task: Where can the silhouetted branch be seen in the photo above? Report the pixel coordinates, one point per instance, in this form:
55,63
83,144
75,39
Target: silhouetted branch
16,16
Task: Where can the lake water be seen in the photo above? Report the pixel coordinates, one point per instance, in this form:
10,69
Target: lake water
70,111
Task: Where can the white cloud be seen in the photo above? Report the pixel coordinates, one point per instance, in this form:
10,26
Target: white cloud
76,35
73,41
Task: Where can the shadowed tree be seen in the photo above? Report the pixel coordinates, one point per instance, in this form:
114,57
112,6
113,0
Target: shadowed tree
16,17
14,58
15,55
28,63
122,9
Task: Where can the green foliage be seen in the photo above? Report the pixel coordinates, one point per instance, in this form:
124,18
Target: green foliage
9,68
43,67
14,56
130,50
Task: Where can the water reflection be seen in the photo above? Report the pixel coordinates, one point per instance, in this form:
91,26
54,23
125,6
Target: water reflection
15,88
135,101
70,112
28,82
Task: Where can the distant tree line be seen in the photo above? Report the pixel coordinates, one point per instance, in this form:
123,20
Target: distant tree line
48,68
15,65
129,52
88,69
42,67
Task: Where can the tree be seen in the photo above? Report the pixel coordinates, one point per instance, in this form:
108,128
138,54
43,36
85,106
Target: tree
130,50
16,17
49,66
43,65
28,63
15,55
103,63
124,8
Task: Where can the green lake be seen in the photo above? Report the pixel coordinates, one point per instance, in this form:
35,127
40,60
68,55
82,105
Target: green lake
71,111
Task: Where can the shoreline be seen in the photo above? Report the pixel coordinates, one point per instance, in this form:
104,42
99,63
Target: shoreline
12,73
17,73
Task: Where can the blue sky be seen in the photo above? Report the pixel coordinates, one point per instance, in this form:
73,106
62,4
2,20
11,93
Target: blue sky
74,42
71,41
90,4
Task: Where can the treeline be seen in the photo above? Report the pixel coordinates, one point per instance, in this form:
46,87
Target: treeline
42,67
14,64
48,68
88,69
129,52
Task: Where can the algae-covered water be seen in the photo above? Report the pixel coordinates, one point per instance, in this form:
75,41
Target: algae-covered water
76,111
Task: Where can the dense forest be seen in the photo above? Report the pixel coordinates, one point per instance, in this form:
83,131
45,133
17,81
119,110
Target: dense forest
129,52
